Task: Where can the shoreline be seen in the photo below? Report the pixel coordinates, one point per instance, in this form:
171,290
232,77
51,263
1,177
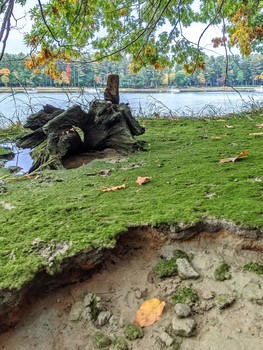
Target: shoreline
123,90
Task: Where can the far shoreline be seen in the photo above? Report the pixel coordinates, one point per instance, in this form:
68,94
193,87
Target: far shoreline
123,90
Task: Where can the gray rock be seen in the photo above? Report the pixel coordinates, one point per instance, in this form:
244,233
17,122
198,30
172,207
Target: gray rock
103,318
224,300
185,269
166,339
206,305
184,327
76,311
208,295
253,292
182,310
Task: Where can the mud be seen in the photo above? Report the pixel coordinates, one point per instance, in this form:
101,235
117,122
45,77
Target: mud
126,279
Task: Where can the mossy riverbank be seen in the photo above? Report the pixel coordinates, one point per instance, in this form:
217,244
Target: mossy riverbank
67,211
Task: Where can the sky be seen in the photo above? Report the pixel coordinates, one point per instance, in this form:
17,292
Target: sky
15,43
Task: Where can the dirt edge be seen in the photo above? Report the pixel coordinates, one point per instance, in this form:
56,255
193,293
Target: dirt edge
82,265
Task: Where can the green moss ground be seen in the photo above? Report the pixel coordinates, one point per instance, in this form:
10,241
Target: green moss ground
188,183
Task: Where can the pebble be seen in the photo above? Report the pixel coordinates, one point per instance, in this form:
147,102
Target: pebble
103,318
185,269
166,339
184,327
182,310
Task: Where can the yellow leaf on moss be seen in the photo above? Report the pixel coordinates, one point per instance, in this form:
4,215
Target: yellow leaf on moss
149,312
114,188
234,159
142,180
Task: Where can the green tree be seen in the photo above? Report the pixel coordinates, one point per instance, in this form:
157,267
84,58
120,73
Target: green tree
150,31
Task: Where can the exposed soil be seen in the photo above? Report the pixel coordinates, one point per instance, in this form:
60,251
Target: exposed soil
52,319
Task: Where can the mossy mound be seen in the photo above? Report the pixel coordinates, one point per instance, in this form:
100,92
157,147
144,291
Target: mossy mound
184,296
254,267
133,332
222,273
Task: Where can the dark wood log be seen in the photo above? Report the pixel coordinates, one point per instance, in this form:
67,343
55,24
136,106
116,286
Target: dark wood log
39,119
105,125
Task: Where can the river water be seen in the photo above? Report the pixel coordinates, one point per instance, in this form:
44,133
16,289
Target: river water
195,104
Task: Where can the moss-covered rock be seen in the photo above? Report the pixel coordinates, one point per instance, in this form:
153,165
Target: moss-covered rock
222,273
184,296
180,254
101,341
120,343
166,268
133,332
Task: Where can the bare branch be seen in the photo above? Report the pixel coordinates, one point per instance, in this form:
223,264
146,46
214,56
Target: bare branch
6,25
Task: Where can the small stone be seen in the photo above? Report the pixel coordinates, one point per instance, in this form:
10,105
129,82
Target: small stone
184,327
182,310
166,339
103,318
138,294
206,305
76,311
208,295
253,292
185,269
224,300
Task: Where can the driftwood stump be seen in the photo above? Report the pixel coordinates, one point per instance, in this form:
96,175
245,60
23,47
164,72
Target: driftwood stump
58,133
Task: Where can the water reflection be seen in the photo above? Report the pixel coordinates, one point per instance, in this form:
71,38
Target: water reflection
21,162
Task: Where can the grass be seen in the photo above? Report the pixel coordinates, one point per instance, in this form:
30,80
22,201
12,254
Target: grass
254,267
184,296
222,273
188,184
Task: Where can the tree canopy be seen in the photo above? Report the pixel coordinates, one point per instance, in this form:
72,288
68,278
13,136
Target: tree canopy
151,31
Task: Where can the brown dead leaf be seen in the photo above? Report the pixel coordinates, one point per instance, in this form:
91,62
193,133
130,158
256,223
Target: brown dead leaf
149,312
234,159
114,188
260,126
142,180
229,126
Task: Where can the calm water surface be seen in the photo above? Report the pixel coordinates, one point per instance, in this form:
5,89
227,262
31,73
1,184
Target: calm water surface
196,104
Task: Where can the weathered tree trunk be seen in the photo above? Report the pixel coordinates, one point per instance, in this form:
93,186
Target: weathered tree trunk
111,92
107,124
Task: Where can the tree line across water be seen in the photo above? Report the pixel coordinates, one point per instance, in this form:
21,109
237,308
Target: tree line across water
233,70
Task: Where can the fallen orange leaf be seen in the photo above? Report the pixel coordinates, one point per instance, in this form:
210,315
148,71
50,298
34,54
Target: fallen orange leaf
149,312
114,188
142,180
227,160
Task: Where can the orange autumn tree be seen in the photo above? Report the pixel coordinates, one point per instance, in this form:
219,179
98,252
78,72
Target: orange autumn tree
4,75
152,32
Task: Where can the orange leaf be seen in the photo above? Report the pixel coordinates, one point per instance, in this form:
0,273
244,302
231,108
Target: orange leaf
142,180
114,188
227,160
149,312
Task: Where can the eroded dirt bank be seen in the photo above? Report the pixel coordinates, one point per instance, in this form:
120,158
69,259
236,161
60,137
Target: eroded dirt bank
61,319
